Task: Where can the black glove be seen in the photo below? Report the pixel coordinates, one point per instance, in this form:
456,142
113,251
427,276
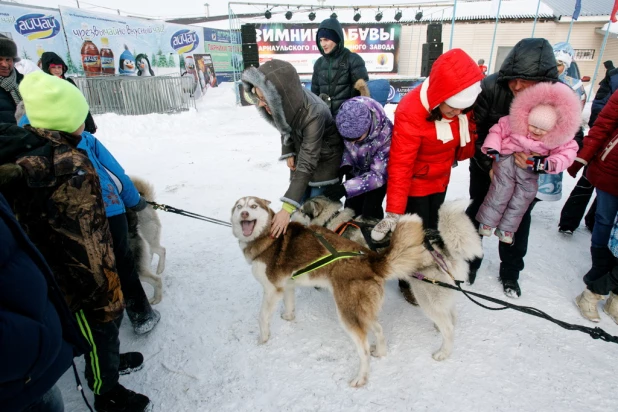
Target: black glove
335,192
141,205
344,172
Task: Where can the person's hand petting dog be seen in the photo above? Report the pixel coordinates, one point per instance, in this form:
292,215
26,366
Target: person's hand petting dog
280,223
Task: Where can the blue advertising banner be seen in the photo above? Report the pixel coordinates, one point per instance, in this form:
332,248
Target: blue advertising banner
225,54
35,30
105,44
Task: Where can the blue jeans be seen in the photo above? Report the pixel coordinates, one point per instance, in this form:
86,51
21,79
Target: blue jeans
50,402
312,192
607,207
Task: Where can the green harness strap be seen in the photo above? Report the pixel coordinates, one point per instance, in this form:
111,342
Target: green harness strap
326,260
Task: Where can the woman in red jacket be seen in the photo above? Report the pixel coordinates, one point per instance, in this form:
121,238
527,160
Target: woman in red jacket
600,153
432,130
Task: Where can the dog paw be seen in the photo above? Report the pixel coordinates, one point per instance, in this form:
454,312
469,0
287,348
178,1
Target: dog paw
263,339
154,301
358,381
378,352
440,355
288,316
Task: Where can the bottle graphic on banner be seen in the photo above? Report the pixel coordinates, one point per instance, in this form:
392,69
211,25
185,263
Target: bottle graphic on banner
91,60
107,58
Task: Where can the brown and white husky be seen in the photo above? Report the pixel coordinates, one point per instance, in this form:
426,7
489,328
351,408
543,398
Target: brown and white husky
357,283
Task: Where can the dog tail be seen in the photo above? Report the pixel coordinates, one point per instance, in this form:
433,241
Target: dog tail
460,237
406,252
144,188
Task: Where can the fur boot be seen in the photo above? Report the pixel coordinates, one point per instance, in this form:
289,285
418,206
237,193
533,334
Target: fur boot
587,303
611,307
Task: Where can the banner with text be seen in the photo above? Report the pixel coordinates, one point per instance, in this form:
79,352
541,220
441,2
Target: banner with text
105,44
225,54
377,44
34,30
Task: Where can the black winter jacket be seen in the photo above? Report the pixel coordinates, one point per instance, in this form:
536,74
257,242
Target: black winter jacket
530,59
39,337
326,67
308,130
7,104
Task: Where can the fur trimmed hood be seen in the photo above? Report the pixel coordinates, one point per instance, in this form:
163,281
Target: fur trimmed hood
283,92
557,95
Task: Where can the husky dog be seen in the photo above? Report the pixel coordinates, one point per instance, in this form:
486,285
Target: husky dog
357,282
145,239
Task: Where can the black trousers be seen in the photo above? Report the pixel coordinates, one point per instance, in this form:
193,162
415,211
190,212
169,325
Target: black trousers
511,255
606,283
368,204
103,359
427,208
575,206
134,295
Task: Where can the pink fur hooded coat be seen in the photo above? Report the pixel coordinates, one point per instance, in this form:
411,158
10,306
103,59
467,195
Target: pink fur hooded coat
511,135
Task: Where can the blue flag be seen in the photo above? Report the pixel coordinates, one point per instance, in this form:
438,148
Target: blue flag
578,8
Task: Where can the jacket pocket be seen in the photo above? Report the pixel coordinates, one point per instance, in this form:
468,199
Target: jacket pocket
611,145
421,172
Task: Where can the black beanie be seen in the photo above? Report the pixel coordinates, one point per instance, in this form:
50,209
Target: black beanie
328,34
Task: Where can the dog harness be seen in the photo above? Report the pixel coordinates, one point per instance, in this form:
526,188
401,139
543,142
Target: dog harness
326,260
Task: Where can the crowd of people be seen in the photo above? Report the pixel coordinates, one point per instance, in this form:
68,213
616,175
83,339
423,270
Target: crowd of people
67,273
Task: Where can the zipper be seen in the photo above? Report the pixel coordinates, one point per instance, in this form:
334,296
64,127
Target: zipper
610,147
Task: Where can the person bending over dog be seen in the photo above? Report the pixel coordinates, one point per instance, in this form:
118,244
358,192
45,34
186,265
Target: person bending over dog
431,132
366,133
310,142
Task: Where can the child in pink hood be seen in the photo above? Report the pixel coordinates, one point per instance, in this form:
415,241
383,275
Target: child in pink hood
542,122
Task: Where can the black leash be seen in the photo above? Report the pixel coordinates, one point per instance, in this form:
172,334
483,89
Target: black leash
80,388
595,333
171,209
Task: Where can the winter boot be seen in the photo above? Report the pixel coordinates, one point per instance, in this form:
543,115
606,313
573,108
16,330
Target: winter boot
406,291
602,262
485,230
511,288
130,362
611,307
505,237
121,399
587,303
143,317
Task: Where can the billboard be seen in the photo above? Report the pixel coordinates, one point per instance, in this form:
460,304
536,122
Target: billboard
377,44
105,44
225,54
34,30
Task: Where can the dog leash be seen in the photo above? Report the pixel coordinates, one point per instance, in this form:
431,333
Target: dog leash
171,209
595,333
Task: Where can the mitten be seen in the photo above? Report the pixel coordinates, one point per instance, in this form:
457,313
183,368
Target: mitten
494,154
141,205
537,164
574,168
335,192
385,225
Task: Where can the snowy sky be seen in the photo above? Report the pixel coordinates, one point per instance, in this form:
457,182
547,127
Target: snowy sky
160,8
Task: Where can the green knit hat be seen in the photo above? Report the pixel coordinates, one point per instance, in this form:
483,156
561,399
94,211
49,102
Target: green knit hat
53,103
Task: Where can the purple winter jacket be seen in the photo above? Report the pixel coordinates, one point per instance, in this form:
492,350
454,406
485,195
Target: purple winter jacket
369,157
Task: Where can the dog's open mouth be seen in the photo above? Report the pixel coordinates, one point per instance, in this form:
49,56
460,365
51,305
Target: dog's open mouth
247,227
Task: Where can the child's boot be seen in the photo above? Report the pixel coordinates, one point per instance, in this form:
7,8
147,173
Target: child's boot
505,237
587,303
611,307
485,230
121,399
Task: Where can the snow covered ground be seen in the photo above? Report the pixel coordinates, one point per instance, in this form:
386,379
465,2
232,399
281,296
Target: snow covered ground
203,356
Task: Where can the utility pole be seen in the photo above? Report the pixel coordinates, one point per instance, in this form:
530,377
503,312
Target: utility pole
77,1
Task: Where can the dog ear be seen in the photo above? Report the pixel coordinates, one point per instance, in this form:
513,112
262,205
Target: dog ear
317,208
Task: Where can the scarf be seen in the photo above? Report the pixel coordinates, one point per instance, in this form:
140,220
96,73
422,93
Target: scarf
9,84
443,127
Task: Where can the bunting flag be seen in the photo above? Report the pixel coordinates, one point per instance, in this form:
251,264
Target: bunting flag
578,8
614,11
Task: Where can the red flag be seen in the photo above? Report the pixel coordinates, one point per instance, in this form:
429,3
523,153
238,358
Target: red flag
614,11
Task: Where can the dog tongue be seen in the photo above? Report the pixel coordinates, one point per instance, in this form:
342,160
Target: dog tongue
247,227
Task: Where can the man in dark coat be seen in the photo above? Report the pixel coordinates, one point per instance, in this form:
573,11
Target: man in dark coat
9,80
310,142
339,74
529,62
38,334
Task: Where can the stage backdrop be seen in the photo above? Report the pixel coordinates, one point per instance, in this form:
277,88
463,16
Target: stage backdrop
116,45
377,44
35,30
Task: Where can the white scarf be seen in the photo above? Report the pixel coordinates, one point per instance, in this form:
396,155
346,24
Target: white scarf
443,127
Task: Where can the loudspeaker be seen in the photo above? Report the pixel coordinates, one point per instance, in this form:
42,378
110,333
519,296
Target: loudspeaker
432,50
434,33
426,65
250,55
247,33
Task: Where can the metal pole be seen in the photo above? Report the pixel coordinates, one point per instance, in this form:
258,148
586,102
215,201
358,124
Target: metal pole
536,17
418,46
596,70
77,1
450,44
570,28
493,42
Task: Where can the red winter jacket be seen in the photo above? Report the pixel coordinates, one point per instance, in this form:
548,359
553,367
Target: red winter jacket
601,149
419,163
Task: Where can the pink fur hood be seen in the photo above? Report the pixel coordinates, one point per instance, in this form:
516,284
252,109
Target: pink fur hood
557,95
